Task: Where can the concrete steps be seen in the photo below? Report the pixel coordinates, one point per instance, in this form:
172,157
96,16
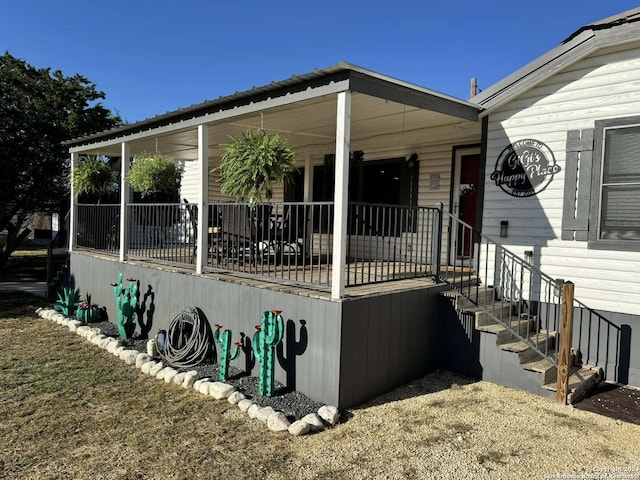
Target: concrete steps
501,318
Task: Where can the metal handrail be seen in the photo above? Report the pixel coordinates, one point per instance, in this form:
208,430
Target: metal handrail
521,294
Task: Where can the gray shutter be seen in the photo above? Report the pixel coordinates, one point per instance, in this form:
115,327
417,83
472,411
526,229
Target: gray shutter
577,184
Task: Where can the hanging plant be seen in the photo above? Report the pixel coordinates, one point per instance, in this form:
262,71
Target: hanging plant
252,164
93,176
153,173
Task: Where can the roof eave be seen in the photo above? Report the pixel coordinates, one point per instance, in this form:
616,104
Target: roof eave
573,50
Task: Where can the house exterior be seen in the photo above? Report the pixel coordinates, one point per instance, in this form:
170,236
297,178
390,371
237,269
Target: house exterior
581,102
402,194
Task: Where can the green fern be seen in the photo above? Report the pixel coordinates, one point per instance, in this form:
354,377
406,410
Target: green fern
252,164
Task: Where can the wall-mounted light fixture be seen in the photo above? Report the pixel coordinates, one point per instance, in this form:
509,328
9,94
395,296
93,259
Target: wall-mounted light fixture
412,160
528,256
504,228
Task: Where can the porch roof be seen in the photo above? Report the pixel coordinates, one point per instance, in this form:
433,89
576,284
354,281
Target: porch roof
301,107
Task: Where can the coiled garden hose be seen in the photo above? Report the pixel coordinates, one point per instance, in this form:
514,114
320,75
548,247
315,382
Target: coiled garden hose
187,341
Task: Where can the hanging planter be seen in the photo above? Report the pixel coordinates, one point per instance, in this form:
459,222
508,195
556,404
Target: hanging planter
94,177
252,164
153,173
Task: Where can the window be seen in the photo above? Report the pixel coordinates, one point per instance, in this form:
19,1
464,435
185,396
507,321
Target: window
615,207
620,194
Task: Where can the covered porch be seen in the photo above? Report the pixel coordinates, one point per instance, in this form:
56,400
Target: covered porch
374,155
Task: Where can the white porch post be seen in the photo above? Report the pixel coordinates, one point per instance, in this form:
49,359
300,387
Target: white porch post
124,199
73,210
308,179
203,202
343,138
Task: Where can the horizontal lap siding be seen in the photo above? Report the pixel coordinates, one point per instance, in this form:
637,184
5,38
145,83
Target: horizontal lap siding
606,85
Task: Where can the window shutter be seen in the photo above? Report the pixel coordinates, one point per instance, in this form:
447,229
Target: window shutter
577,184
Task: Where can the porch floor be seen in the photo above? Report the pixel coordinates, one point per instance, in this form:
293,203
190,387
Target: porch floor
281,277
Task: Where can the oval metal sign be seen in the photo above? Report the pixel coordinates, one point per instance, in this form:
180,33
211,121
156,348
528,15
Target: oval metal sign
525,168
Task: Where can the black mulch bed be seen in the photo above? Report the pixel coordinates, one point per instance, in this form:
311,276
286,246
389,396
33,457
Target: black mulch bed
293,404
619,403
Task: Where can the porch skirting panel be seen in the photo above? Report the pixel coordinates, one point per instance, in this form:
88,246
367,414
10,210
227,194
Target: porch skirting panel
337,352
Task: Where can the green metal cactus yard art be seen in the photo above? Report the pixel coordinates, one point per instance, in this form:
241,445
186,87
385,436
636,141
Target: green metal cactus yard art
268,335
224,341
126,305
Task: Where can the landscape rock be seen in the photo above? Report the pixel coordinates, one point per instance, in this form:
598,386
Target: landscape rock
329,414
105,342
83,330
151,348
153,371
235,397
169,374
74,324
147,366
204,387
97,338
141,359
253,410
197,383
161,373
278,422
220,390
263,414
299,427
129,356
189,379
179,378
314,421
245,404
113,345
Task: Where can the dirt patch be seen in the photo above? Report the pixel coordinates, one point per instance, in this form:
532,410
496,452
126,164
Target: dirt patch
613,401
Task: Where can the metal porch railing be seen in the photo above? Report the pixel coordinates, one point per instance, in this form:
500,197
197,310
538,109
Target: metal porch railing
506,287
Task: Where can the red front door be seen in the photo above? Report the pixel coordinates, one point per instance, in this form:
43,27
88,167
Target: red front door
468,201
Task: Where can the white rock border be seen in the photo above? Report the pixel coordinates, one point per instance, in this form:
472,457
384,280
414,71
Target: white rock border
275,420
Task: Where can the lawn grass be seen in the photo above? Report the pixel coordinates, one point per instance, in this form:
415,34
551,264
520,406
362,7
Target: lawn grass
29,264
72,411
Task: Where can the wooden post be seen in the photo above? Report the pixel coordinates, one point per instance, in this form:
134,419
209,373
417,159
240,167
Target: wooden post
124,200
202,234
564,351
474,87
343,138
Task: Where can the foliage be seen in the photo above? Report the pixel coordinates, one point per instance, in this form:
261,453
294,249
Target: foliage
267,337
68,301
252,164
126,306
93,176
39,110
154,173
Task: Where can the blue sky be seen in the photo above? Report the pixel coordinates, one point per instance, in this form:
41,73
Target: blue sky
150,57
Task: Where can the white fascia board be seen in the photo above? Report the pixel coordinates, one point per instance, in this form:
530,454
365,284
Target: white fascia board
308,94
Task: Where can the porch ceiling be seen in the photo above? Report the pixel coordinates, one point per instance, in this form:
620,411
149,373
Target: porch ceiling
306,117
308,126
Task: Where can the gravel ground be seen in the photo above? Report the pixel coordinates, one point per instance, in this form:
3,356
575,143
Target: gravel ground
447,427
293,404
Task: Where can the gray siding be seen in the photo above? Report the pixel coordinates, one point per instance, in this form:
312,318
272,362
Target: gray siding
387,341
237,307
